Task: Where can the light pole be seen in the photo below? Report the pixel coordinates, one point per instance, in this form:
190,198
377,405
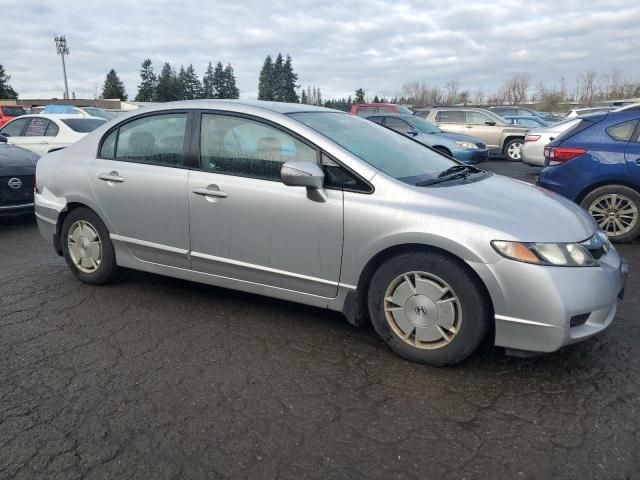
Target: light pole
62,49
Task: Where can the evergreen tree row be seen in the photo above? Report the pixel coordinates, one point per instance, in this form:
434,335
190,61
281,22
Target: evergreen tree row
277,81
6,91
217,82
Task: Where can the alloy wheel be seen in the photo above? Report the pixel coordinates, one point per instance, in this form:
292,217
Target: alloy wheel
423,310
615,213
515,151
85,246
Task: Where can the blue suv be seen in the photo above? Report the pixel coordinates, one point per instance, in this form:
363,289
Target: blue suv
596,163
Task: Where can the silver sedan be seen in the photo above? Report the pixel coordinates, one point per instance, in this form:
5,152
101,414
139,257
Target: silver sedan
327,209
538,138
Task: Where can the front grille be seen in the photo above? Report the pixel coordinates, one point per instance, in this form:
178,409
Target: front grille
16,196
481,145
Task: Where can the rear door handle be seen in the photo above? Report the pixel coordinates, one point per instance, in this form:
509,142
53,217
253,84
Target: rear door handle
210,191
111,177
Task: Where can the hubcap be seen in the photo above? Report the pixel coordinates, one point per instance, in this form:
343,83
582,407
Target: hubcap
85,247
615,213
515,150
423,310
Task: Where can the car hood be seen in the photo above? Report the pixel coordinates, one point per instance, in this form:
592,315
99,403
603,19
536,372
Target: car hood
16,161
508,209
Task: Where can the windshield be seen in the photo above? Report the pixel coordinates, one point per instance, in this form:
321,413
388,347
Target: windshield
13,111
422,125
99,112
83,125
393,154
404,110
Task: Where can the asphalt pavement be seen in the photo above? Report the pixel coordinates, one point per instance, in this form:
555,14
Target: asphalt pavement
157,378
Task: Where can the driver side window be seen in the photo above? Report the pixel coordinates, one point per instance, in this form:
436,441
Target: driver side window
247,148
476,118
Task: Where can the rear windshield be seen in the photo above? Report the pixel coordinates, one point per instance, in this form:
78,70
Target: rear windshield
83,125
13,111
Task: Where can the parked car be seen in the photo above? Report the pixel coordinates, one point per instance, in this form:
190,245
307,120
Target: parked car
499,136
17,179
577,112
461,147
9,112
628,106
538,138
43,133
329,209
518,111
84,111
533,122
367,109
596,163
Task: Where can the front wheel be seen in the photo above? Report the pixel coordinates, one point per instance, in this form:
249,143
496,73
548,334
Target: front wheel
87,248
428,308
513,150
616,210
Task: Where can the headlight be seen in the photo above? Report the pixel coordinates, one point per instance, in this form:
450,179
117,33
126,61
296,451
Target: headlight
558,254
469,145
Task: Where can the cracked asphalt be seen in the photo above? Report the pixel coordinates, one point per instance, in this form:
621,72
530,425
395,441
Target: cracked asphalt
157,378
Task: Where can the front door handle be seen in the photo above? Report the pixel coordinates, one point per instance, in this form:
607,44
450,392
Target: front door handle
468,126
111,177
210,191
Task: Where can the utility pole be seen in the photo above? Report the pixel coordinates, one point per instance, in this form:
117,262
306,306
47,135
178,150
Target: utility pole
62,49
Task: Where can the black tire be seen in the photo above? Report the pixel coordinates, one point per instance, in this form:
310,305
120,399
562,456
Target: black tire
592,199
510,143
107,269
472,300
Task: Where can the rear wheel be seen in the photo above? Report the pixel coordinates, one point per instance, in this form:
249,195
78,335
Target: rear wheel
616,210
513,149
428,308
87,248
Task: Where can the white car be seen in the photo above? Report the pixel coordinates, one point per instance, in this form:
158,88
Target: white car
532,150
578,112
47,132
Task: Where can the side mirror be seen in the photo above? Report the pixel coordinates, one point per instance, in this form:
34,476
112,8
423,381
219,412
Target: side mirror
3,138
412,132
491,123
302,174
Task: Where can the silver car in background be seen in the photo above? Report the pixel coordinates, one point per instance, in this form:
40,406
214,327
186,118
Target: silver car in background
328,209
538,138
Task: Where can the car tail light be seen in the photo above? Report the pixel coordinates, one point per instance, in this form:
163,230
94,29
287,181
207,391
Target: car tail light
531,138
558,155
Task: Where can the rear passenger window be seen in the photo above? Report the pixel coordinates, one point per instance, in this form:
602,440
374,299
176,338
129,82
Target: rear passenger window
157,140
38,128
239,146
450,116
622,131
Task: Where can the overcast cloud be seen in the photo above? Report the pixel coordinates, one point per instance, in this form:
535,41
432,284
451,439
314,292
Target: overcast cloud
339,46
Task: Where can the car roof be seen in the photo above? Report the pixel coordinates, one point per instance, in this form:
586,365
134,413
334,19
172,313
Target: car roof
277,107
59,116
393,115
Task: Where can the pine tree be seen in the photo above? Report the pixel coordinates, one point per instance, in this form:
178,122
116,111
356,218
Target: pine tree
167,83
265,81
6,91
113,87
376,99
278,79
191,86
289,82
318,97
230,88
148,83
218,81
207,83
359,96
181,81
309,95
303,97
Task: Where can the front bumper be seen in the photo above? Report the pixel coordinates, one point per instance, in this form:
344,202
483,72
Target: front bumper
18,209
541,309
471,156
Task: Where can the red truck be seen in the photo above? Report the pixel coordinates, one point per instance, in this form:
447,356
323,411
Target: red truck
368,109
9,112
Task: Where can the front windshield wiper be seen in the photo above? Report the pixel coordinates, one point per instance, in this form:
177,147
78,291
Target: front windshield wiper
454,173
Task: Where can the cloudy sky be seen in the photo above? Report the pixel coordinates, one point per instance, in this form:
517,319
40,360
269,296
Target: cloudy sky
339,46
